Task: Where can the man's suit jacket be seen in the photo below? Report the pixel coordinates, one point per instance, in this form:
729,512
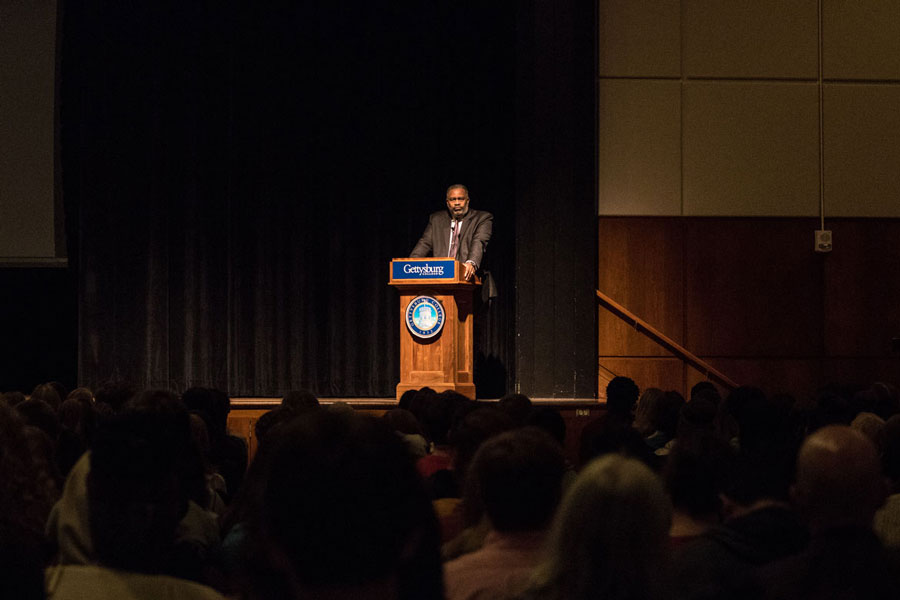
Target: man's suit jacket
473,237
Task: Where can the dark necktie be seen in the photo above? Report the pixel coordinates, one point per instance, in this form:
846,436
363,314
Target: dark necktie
454,238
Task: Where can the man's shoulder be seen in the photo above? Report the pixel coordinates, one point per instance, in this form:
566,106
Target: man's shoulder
478,216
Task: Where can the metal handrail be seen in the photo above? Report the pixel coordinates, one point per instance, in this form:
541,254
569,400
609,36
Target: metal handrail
666,342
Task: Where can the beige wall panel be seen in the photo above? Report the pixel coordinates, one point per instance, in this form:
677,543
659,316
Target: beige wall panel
750,149
861,39
639,147
639,38
862,150
751,38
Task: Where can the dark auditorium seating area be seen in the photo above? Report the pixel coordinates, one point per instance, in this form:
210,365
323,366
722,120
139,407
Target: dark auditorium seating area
117,492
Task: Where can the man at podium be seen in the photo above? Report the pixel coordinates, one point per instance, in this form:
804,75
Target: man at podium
458,232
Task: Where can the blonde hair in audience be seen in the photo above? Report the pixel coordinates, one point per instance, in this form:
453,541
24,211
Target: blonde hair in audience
610,537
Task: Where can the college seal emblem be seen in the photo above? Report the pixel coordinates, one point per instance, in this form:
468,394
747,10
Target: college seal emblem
424,317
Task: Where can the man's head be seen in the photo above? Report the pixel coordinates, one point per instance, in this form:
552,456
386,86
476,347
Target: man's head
137,489
458,200
517,476
621,395
839,479
344,514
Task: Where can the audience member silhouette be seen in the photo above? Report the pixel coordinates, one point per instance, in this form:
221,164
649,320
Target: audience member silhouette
609,538
872,426
343,515
887,519
27,491
696,473
113,394
49,393
404,423
838,489
550,420
759,524
300,401
476,425
665,423
136,497
228,453
516,477
517,406
613,431
645,413
333,506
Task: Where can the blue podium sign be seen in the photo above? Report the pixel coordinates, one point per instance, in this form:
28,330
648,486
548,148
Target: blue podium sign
412,270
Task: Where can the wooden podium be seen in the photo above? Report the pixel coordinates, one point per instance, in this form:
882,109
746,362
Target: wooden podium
435,349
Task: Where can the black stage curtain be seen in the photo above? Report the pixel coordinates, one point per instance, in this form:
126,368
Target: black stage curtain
239,179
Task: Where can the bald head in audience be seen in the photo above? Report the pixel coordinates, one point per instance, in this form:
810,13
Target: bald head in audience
839,481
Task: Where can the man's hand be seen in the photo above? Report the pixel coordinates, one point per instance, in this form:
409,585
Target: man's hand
468,271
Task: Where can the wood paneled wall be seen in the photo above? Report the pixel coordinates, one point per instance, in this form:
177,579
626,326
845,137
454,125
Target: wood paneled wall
752,298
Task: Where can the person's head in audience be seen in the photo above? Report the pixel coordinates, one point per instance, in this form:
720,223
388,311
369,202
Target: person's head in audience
706,390
420,399
890,454
113,393
645,413
198,488
609,537
839,480
550,420
406,399
695,475
61,390
344,515
77,426
760,420
766,456
621,397
435,413
696,419
404,424
831,407
78,417
220,408
82,394
27,493
48,394
516,406
871,426
402,421
40,414
300,401
199,400
14,397
472,430
517,477
136,491
880,398
270,420
669,413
